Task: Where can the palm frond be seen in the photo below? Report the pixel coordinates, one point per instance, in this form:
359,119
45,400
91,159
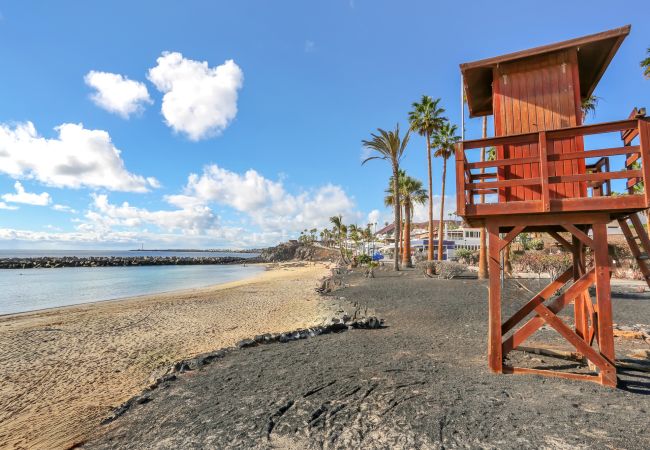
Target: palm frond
445,140
645,65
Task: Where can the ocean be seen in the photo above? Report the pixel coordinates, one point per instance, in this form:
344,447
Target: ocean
33,289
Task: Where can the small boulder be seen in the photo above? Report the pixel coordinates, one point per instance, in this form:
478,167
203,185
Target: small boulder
245,343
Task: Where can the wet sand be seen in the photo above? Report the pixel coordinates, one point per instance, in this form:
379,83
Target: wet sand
62,370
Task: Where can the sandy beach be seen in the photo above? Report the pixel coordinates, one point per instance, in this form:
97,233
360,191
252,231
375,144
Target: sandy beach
63,370
420,383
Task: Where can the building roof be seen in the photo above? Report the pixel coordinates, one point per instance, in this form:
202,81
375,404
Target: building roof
414,225
594,55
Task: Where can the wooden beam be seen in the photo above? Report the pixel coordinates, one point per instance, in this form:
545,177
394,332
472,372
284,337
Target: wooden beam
604,302
620,202
502,162
541,297
597,176
511,139
460,179
495,358
575,340
579,234
595,153
640,231
575,42
504,183
559,239
579,316
590,204
644,143
585,130
556,306
551,373
508,238
543,172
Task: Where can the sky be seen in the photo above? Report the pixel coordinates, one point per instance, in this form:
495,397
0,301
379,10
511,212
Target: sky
228,124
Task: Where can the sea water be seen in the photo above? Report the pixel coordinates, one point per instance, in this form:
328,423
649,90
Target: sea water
33,289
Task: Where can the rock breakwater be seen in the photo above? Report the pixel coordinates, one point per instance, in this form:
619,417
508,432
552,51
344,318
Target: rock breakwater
116,261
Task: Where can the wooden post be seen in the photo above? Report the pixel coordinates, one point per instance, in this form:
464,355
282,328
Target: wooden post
460,180
495,358
543,172
644,147
579,302
604,301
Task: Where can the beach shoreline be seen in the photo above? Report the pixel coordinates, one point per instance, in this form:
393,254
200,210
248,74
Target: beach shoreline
64,369
186,291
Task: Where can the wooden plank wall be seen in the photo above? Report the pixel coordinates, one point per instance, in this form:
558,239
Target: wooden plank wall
535,94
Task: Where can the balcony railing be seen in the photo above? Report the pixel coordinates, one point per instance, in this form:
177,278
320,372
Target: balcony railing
582,182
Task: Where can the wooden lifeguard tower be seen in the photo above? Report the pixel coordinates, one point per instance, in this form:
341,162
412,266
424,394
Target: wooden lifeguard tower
543,179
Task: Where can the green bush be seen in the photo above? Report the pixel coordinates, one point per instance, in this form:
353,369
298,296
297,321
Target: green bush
364,259
466,256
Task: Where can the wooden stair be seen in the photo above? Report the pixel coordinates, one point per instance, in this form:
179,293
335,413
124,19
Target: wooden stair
639,242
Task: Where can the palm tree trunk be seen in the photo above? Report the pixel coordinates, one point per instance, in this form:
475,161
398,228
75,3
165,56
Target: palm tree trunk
430,249
482,255
406,257
441,226
397,214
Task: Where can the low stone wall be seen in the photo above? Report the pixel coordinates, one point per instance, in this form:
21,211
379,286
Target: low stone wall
117,261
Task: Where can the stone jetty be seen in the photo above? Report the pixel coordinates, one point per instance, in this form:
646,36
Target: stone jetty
116,261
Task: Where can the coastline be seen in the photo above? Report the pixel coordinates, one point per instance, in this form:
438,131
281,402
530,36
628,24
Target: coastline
63,369
186,291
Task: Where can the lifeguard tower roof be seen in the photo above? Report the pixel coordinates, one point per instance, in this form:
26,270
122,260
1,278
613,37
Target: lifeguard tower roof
594,55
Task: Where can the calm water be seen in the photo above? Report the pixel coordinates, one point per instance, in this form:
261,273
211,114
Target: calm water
32,289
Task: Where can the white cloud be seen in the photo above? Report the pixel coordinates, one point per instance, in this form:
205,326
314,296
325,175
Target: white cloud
117,94
266,202
199,100
374,216
28,198
310,46
421,212
63,208
265,213
190,220
3,205
77,158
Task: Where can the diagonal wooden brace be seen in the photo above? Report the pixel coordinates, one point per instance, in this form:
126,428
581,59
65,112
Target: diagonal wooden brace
540,298
579,234
556,306
508,238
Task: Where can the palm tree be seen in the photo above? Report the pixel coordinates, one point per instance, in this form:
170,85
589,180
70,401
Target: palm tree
411,194
367,236
340,232
355,235
588,106
425,119
390,146
445,141
645,65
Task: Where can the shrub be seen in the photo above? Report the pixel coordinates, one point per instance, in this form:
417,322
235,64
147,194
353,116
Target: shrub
364,259
449,269
467,256
443,269
540,262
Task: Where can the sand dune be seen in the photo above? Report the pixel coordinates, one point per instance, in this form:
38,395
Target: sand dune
63,370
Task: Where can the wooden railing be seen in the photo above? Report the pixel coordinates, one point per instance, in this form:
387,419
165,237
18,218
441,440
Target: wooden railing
477,187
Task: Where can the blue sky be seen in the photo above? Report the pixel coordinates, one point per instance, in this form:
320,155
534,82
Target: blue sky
273,137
